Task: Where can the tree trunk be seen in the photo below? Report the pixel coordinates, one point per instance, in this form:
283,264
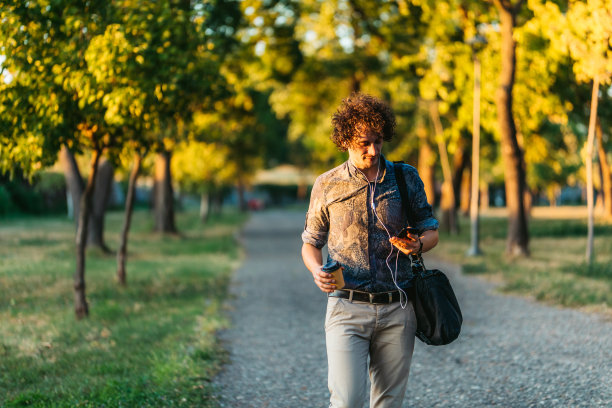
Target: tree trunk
461,180
242,204
101,195
461,161
355,83
74,181
514,168
205,206
101,198
81,308
129,208
217,200
551,193
484,196
528,198
447,202
466,193
589,170
599,197
606,173
163,195
426,162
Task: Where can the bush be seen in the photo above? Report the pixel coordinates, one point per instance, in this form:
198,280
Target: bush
6,203
47,194
51,187
24,197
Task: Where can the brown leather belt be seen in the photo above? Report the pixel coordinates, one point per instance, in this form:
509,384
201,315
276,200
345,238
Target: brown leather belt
373,298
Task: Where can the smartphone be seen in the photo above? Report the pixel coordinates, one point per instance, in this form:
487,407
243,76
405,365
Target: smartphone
407,230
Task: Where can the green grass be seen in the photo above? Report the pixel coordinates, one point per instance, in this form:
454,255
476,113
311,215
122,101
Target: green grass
555,272
151,343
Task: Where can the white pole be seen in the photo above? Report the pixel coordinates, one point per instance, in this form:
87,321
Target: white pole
474,248
589,169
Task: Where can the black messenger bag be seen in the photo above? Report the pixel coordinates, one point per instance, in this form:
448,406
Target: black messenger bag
437,311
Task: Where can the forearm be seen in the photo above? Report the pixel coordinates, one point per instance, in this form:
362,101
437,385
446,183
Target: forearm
429,239
312,257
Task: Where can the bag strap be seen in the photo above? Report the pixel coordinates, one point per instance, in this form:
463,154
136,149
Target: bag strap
415,261
401,184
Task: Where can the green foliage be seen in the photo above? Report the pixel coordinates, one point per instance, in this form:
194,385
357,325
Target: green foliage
150,344
262,79
105,75
197,166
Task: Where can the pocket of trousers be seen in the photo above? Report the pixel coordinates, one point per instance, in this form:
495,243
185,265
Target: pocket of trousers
334,309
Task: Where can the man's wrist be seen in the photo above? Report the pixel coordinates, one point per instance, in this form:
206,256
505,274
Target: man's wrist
420,246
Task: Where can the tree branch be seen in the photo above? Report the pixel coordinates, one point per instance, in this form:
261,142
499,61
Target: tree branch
501,4
517,7
498,4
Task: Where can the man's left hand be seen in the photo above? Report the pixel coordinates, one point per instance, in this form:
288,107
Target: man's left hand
411,245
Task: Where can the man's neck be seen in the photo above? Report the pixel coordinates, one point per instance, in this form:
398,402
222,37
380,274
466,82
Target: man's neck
371,173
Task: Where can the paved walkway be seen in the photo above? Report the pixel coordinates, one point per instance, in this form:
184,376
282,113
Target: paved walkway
511,353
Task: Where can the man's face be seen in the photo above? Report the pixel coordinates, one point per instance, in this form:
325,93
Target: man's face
364,152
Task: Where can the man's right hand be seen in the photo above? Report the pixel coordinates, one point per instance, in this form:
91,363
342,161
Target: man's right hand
313,259
325,281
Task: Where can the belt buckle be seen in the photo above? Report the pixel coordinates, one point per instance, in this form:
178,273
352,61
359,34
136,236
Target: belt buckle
371,298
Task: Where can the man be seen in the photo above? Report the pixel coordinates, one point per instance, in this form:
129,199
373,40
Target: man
356,210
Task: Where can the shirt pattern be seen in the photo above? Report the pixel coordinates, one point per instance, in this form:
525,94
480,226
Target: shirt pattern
339,216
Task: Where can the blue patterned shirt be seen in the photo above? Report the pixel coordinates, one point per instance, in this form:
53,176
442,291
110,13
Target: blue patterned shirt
339,215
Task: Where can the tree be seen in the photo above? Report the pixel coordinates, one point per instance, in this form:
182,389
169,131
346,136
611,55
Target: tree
92,75
514,166
541,100
130,198
442,68
343,46
174,65
588,34
53,98
447,203
203,168
585,32
165,59
163,194
101,195
606,171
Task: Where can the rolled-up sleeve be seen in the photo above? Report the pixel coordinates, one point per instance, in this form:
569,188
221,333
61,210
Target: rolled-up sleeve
422,212
316,227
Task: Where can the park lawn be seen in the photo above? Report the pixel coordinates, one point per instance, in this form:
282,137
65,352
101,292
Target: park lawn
151,343
555,272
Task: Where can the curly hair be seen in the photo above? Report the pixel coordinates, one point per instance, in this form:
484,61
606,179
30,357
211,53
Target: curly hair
360,110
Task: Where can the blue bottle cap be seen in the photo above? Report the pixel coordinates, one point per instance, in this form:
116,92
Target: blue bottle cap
331,266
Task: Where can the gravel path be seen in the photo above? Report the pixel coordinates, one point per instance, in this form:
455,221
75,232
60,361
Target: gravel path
512,352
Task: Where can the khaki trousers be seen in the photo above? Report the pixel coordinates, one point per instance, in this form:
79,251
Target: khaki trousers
355,331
